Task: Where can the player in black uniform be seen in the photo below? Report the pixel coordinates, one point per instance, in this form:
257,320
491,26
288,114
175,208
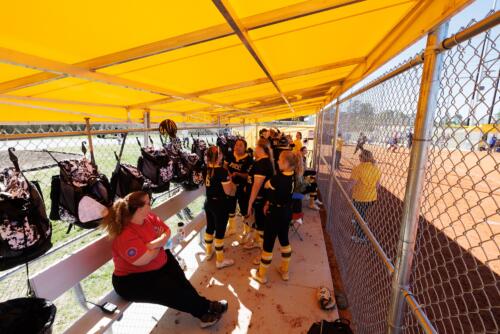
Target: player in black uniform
238,165
218,186
260,172
278,209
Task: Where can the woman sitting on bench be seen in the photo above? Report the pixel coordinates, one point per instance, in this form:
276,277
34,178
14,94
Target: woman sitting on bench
144,271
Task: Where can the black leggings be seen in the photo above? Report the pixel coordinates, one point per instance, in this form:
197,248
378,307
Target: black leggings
277,225
362,208
166,286
311,188
260,218
217,213
241,198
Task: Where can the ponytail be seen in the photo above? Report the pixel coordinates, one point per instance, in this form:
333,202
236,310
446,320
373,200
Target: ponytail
121,212
212,158
294,160
264,144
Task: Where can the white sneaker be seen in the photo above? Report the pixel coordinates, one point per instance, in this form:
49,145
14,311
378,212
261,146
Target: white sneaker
284,275
254,273
251,245
318,202
299,221
225,263
313,207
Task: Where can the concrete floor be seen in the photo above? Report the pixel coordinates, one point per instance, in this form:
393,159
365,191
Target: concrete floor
278,306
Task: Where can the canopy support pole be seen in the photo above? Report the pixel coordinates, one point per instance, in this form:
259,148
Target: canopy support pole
89,136
424,121
147,124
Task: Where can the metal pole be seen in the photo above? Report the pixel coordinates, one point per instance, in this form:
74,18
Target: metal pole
332,165
429,89
315,146
89,136
147,124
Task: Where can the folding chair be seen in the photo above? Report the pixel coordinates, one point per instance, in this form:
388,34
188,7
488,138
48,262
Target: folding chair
297,214
296,223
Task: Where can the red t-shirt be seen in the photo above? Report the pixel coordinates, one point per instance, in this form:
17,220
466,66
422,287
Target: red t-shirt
131,244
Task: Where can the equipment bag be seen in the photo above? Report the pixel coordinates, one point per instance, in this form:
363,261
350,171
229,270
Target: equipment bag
339,326
25,231
27,316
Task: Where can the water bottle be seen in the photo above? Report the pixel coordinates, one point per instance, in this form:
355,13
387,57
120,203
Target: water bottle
180,231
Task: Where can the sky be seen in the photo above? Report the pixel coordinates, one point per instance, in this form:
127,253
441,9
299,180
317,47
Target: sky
477,10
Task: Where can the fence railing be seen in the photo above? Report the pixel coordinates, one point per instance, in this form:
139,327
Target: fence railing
424,255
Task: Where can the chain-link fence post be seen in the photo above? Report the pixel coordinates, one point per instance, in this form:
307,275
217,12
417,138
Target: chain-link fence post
427,103
332,165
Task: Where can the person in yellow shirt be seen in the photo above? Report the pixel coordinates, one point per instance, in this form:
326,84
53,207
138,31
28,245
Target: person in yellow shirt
366,176
297,142
338,151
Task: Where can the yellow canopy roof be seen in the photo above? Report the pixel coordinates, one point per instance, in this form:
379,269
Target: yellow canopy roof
205,61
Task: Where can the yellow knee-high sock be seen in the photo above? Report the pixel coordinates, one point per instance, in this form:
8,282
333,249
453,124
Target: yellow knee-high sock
265,260
209,240
286,255
219,249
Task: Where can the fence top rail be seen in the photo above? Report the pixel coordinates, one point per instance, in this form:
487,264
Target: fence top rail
13,136
477,28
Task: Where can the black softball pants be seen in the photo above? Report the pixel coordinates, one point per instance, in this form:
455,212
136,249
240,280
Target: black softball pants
217,213
166,286
277,225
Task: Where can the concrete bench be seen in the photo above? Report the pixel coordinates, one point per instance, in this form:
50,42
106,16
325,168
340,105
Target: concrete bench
66,274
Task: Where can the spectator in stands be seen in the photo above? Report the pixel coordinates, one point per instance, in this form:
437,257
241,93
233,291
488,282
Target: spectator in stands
366,177
338,151
144,271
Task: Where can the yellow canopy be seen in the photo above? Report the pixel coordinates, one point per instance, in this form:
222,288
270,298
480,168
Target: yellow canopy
227,61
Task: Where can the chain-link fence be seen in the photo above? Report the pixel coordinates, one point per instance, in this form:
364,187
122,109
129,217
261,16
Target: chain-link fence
65,142
456,267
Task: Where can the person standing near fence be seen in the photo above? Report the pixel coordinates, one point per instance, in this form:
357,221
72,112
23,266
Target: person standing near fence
297,142
361,142
338,150
145,272
238,165
260,172
218,187
278,209
366,177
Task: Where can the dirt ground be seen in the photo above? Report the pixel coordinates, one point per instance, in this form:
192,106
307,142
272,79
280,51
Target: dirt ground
457,262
